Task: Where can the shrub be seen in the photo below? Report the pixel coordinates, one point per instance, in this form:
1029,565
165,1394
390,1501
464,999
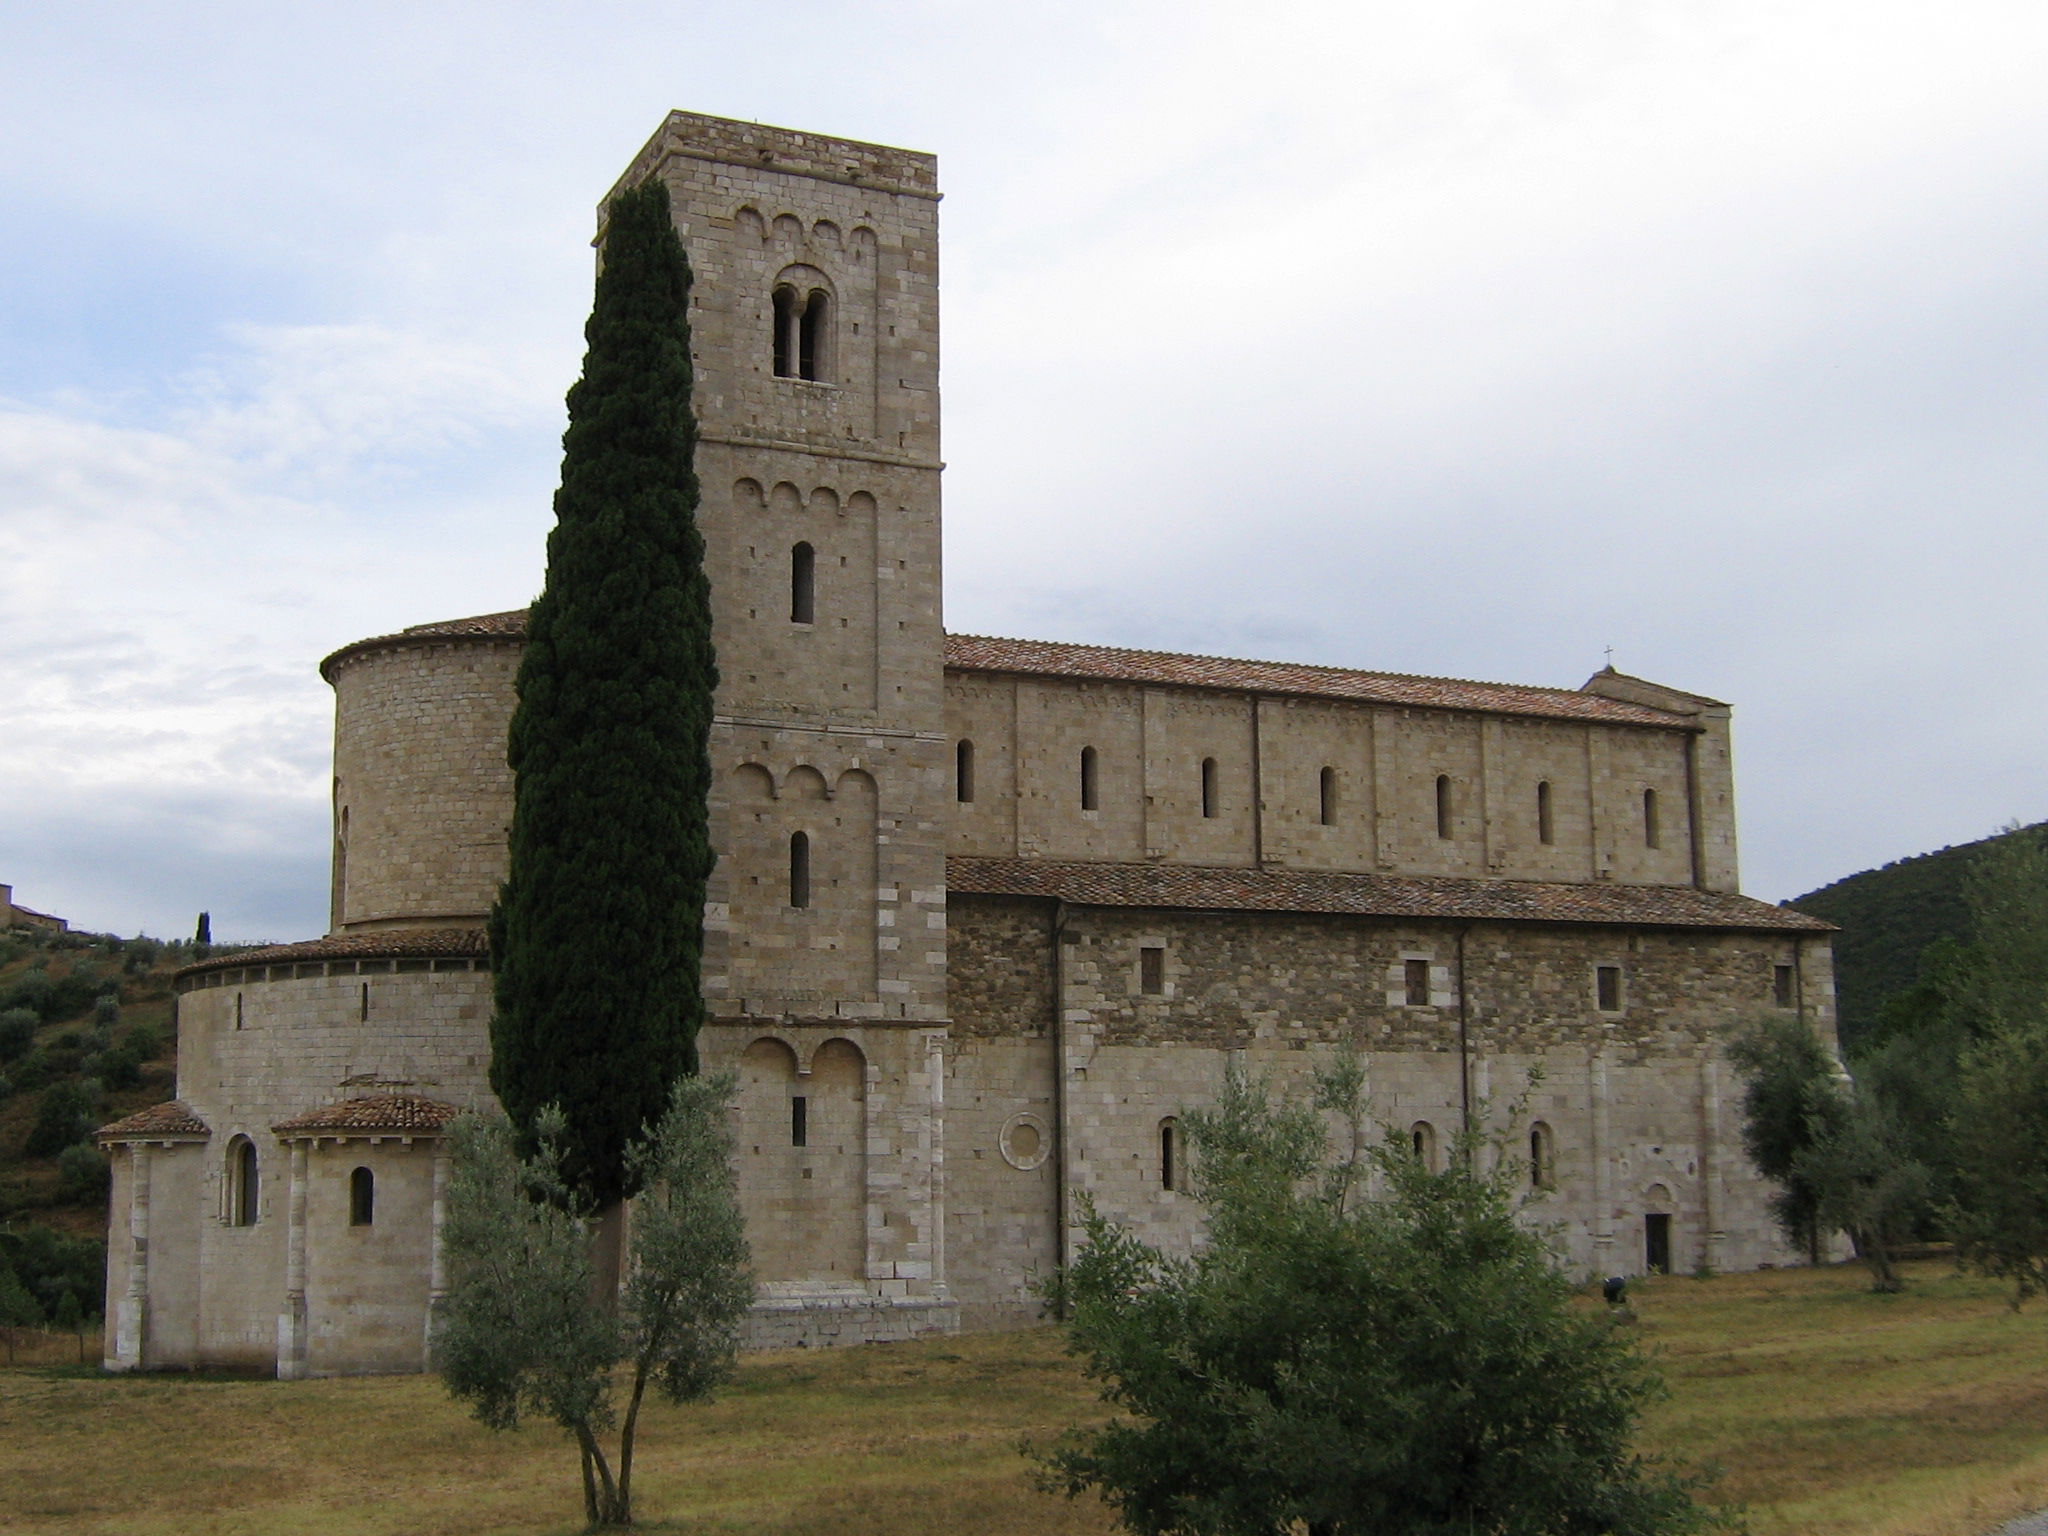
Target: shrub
51,1263
106,1012
17,1033
31,990
147,1041
84,1171
119,1068
33,1070
64,1115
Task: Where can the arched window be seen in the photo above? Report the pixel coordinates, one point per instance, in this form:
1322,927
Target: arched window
1326,794
1542,1157
362,1198
243,1187
1209,787
814,336
799,869
1170,1176
963,772
1422,1141
1089,801
786,328
1546,826
1443,805
803,585
1652,836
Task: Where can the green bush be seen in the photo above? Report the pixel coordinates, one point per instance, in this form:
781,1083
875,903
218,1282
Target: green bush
147,1041
30,1072
106,1011
84,1171
65,1114
119,1068
17,1033
32,990
51,1264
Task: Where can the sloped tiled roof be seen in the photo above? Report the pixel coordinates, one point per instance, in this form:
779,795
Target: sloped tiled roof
509,625
1206,888
394,944
169,1119
376,1113
1108,663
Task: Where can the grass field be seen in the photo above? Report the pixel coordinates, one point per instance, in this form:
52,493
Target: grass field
1829,1409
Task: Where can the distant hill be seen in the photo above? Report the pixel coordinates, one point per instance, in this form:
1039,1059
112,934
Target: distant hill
1887,917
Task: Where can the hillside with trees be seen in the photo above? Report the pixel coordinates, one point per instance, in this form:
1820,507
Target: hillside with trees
1889,917
87,1034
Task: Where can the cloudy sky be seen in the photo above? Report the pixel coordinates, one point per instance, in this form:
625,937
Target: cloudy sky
1468,337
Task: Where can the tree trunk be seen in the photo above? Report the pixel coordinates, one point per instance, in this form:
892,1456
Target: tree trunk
608,1255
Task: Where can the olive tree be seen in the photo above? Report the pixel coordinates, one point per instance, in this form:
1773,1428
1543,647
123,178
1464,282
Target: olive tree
1353,1363
527,1329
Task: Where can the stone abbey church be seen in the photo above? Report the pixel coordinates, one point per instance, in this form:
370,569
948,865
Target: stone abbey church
988,915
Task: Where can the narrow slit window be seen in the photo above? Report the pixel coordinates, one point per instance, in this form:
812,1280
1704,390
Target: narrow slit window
1443,806
1422,1141
363,1010
1152,970
803,585
362,1198
785,332
1326,797
1169,1154
963,772
1542,1157
799,869
1546,823
1088,796
1415,982
814,335
1607,988
1782,986
799,1121
243,1188
1653,836
1209,787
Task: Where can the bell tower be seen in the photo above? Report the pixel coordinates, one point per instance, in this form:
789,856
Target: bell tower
814,333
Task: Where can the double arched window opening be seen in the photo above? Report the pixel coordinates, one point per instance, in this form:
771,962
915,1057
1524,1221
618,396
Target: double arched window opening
802,333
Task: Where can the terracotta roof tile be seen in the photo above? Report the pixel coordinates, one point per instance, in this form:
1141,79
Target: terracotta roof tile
1288,890
171,1119
376,1113
1107,663
395,944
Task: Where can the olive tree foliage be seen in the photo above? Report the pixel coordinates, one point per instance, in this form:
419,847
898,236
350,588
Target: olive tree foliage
525,1331
1362,1347
1842,1159
1999,1131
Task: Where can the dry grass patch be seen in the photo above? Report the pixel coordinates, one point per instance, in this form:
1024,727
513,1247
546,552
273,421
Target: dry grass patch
1831,1410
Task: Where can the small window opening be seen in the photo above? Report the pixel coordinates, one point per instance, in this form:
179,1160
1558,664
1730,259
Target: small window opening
1169,1154
1422,1141
812,335
1546,825
363,1009
1152,970
799,869
799,1121
1088,796
242,1183
1782,986
238,1010
362,1198
1326,797
1607,988
803,585
785,332
1443,805
1542,1157
1653,836
963,772
1209,787
1415,979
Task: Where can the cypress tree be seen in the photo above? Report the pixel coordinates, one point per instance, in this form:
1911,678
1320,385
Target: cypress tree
597,932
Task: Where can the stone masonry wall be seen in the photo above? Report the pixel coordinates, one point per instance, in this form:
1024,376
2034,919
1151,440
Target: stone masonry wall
1267,802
